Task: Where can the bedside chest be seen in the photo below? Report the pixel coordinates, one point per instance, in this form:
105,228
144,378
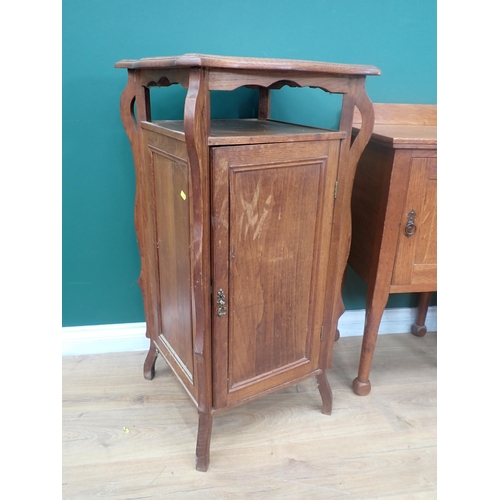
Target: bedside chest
394,238
243,228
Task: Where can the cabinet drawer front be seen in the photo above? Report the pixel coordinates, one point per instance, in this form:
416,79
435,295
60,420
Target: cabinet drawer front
416,258
273,211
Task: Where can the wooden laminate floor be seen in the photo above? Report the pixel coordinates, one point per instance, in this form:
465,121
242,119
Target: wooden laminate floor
128,438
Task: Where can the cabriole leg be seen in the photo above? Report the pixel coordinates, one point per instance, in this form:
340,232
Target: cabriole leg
326,393
149,363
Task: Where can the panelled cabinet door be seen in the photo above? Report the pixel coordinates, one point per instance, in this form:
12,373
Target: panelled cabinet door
416,261
172,205
272,211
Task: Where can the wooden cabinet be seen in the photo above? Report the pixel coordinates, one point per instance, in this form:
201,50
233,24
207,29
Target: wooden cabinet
394,236
243,228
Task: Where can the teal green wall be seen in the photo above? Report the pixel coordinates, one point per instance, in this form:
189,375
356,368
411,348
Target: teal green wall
100,255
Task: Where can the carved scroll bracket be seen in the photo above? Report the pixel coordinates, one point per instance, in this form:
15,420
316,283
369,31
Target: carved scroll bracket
164,77
134,107
127,103
365,107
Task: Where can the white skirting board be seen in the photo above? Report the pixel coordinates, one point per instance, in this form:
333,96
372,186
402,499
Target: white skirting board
97,339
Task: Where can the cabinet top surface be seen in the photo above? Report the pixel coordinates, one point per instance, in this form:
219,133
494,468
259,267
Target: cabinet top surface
406,134
403,125
249,131
247,63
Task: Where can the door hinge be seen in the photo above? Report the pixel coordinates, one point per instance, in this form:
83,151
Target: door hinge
336,188
321,333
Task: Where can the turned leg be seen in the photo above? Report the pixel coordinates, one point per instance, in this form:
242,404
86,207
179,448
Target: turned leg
149,363
418,328
375,308
203,441
326,393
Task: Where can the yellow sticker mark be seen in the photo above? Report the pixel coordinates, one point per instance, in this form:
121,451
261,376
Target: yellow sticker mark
183,195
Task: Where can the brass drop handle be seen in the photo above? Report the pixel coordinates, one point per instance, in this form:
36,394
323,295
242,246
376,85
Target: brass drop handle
411,228
221,303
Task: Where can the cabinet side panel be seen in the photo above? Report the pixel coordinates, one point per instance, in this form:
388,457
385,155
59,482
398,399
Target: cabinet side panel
273,221
369,201
173,236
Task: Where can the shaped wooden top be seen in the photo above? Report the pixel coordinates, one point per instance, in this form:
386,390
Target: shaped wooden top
403,125
247,63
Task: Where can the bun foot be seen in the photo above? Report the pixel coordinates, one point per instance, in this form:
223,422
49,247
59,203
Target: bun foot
361,388
418,330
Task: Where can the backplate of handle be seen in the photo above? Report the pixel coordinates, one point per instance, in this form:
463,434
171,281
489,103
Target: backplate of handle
221,303
411,228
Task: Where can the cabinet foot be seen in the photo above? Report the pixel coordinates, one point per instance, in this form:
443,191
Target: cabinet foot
149,363
203,441
337,335
418,330
361,388
325,392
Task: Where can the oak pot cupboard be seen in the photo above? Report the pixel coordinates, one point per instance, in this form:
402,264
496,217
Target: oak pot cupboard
394,217
243,228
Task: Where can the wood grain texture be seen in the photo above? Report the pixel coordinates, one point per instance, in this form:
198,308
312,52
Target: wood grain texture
246,63
402,114
172,203
412,126
369,207
380,446
246,131
273,207
416,256
173,242
231,79
273,220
